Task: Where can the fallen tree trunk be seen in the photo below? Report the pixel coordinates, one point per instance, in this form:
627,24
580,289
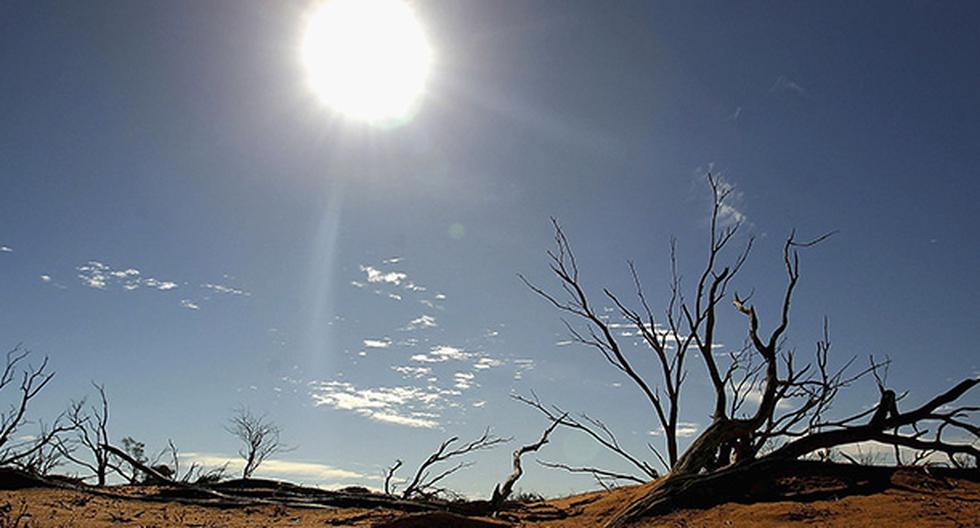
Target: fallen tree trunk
770,479
285,495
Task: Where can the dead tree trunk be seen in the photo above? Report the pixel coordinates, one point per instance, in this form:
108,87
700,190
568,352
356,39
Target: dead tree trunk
728,447
502,491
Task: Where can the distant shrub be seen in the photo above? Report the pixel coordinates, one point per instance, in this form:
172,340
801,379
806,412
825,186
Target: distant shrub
525,497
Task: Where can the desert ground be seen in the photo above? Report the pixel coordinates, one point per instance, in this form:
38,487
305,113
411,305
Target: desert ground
914,499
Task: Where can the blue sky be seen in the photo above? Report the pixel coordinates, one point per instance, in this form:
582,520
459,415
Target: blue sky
184,222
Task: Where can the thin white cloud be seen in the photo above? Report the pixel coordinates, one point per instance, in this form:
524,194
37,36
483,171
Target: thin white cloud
275,467
522,366
871,452
377,343
754,397
409,421
6,249
728,215
442,353
785,84
414,372
48,279
158,284
423,321
730,212
228,290
390,277
684,430
487,363
411,286
98,275
464,380
408,406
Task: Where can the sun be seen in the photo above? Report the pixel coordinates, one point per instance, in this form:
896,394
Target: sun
368,60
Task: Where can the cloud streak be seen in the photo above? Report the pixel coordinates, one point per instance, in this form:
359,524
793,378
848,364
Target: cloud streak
442,353
275,467
406,406
785,84
100,276
423,321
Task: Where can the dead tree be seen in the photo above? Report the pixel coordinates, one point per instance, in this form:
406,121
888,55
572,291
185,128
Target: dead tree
90,425
33,379
389,473
502,491
259,436
424,484
686,325
791,417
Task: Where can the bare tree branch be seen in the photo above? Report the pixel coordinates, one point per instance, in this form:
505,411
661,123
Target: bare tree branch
423,484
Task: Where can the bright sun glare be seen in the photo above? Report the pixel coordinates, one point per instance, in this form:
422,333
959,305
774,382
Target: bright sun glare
367,59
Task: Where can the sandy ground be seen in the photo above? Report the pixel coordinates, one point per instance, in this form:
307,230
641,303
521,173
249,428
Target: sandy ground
957,505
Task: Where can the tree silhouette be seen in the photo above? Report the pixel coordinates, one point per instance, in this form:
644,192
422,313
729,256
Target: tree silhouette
791,418
259,436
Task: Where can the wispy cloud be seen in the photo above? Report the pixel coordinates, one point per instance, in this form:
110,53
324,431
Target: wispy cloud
684,430
98,275
485,363
408,406
95,274
785,84
423,321
441,353
522,366
276,467
48,279
871,452
414,372
730,212
390,277
464,380
227,290
377,343
411,286
6,249
754,397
